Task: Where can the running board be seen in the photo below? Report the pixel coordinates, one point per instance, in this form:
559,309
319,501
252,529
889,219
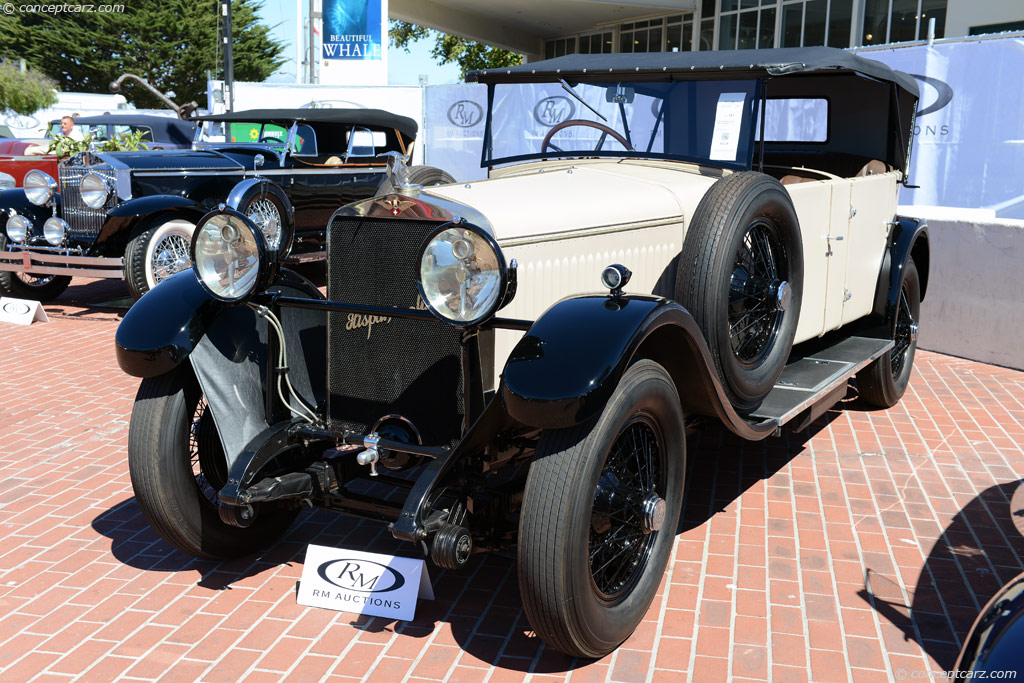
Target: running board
812,384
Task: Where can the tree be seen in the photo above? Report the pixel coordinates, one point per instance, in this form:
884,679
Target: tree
170,43
448,49
24,92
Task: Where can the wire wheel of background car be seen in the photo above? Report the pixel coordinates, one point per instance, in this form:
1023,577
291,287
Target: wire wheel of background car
883,383
418,175
740,275
159,250
266,214
546,143
599,515
176,466
26,286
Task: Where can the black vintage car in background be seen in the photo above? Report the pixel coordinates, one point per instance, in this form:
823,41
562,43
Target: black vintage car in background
131,215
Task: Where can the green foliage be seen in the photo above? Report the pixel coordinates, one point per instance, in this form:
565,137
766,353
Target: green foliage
448,49
24,92
170,43
64,146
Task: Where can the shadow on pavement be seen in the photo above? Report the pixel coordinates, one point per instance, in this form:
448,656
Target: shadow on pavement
975,555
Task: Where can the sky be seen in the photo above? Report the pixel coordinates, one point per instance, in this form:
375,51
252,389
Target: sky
403,69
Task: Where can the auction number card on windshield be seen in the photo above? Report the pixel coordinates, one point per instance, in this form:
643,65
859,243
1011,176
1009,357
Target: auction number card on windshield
725,138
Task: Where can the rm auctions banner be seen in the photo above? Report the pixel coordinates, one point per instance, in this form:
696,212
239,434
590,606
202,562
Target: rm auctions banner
969,138
352,29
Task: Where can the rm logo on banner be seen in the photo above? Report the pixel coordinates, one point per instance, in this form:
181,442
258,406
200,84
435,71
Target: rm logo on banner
363,583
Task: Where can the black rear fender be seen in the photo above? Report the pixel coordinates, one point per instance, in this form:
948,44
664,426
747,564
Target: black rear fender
565,369
909,239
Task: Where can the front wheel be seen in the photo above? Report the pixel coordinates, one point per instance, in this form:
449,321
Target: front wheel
599,516
883,383
159,250
27,286
177,467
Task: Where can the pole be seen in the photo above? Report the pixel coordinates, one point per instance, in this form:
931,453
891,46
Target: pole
311,56
229,59
298,42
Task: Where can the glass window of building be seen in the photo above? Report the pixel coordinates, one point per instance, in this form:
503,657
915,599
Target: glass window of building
559,47
893,21
679,33
744,25
595,43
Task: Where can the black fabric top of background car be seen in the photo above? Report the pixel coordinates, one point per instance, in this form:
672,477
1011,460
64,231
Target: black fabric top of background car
715,64
362,117
164,128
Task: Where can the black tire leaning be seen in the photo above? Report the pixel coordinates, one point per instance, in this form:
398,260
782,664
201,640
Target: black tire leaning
883,383
138,273
419,175
47,288
165,485
735,206
560,595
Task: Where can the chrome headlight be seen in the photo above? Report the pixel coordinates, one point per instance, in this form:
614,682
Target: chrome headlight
54,230
462,275
94,190
7,181
39,187
228,255
17,228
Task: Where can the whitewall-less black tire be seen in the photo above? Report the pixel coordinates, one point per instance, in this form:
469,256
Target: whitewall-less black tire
599,516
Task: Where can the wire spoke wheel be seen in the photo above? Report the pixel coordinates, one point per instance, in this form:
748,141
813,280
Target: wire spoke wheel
170,255
759,277
620,541
265,214
30,280
206,456
904,336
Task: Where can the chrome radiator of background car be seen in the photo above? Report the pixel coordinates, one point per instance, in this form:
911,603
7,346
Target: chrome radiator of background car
84,221
379,366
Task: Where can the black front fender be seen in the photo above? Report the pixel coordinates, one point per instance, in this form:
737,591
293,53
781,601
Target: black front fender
565,369
164,326
909,239
15,201
123,220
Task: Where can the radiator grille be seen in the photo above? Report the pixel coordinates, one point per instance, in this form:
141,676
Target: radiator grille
388,367
83,221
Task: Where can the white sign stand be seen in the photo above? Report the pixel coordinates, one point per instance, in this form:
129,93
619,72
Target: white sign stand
363,583
21,311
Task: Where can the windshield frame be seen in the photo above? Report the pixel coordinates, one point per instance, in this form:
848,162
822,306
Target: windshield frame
744,162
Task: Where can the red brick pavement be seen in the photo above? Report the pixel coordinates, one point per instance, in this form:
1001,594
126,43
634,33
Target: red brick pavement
861,547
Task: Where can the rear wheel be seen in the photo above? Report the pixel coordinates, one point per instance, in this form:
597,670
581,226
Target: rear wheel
883,383
177,467
160,249
740,275
599,516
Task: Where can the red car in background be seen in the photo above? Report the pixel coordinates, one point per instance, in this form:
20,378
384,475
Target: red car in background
18,157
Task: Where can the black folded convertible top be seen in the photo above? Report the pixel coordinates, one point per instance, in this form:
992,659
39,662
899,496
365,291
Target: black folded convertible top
364,117
714,64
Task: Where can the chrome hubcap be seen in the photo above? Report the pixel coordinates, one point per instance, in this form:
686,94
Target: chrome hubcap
653,512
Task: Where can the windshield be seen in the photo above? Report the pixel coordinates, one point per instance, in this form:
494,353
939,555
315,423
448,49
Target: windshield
702,121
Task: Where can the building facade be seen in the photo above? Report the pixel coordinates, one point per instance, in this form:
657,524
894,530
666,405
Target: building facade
749,24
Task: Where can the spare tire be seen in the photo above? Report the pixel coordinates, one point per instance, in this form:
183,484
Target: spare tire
741,277
419,175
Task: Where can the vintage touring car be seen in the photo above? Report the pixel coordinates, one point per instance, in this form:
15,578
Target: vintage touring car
738,207
131,215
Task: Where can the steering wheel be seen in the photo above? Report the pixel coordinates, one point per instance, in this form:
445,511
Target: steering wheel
271,138
605,132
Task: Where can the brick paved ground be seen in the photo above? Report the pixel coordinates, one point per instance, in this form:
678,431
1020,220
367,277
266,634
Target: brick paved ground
860,548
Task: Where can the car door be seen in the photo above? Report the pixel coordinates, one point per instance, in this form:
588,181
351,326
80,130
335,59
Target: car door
871,210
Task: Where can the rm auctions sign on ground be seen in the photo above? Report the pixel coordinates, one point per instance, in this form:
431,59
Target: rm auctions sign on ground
352,29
